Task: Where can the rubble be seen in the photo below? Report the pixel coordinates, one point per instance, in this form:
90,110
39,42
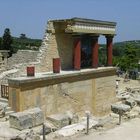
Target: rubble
130,102
3,107
137,100
123,95
75,128
49,127
29,135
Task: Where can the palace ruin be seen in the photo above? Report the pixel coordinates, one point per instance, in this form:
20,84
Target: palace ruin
70,46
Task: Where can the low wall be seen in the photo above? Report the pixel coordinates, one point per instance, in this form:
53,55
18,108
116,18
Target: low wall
92,90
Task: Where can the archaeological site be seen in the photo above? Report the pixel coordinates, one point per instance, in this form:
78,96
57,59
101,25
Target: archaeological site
62,91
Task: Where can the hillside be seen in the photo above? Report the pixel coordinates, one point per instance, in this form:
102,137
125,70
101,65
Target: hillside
125,54
25,43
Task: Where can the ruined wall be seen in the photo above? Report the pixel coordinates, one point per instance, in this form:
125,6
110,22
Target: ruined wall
56,43
95,95
65,49
22,56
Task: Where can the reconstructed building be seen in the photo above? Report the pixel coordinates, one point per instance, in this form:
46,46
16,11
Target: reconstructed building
72,46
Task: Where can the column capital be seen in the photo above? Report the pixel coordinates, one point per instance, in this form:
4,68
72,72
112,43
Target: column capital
77,36
96,36
109,36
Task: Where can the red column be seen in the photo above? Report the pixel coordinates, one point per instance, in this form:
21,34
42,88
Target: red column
30,71
95,47
77,54
56,65
109,41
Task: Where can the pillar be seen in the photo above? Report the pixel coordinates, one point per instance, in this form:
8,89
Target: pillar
95,47
56,65
109,45
77,53
30,71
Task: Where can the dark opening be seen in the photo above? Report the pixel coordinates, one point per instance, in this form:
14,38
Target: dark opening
86,52
3,58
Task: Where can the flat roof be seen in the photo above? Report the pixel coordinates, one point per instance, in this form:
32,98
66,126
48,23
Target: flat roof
85,20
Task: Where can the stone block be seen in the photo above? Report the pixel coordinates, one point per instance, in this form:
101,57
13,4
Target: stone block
117,108
74,119
20,120
130,102
36,115
59,120
137,100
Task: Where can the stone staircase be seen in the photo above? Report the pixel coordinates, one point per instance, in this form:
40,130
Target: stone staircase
4,104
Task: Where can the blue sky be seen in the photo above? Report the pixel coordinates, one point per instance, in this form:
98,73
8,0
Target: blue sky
30,16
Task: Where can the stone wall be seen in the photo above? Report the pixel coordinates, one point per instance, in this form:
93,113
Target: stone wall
56,43
22,56
77,94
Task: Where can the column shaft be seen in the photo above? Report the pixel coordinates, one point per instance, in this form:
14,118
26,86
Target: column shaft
109,40
95,47
77,54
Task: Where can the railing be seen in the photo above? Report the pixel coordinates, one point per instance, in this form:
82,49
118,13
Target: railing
5,91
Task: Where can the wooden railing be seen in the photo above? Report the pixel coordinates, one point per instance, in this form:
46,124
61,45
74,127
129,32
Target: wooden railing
5,91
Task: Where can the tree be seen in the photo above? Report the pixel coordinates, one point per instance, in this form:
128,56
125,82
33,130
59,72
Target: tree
23,36
129,60
7,40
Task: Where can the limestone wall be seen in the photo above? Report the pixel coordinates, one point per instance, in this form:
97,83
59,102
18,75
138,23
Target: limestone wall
94,94
56,43
22,56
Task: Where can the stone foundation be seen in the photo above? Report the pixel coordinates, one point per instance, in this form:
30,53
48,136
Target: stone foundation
76,91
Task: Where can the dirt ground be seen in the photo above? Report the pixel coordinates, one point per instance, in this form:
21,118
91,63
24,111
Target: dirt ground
129,130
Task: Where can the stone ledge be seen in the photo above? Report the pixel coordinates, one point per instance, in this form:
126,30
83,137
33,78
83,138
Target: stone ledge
65,76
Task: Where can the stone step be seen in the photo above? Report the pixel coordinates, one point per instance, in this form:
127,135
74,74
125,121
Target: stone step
3,100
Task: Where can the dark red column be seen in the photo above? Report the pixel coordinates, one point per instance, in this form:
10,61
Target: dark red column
30,71
77,53
56,65
95,47
109,44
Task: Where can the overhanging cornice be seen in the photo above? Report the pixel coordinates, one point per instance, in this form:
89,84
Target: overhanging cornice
81,25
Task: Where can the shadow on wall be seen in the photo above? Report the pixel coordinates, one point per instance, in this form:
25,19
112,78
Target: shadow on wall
65,50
